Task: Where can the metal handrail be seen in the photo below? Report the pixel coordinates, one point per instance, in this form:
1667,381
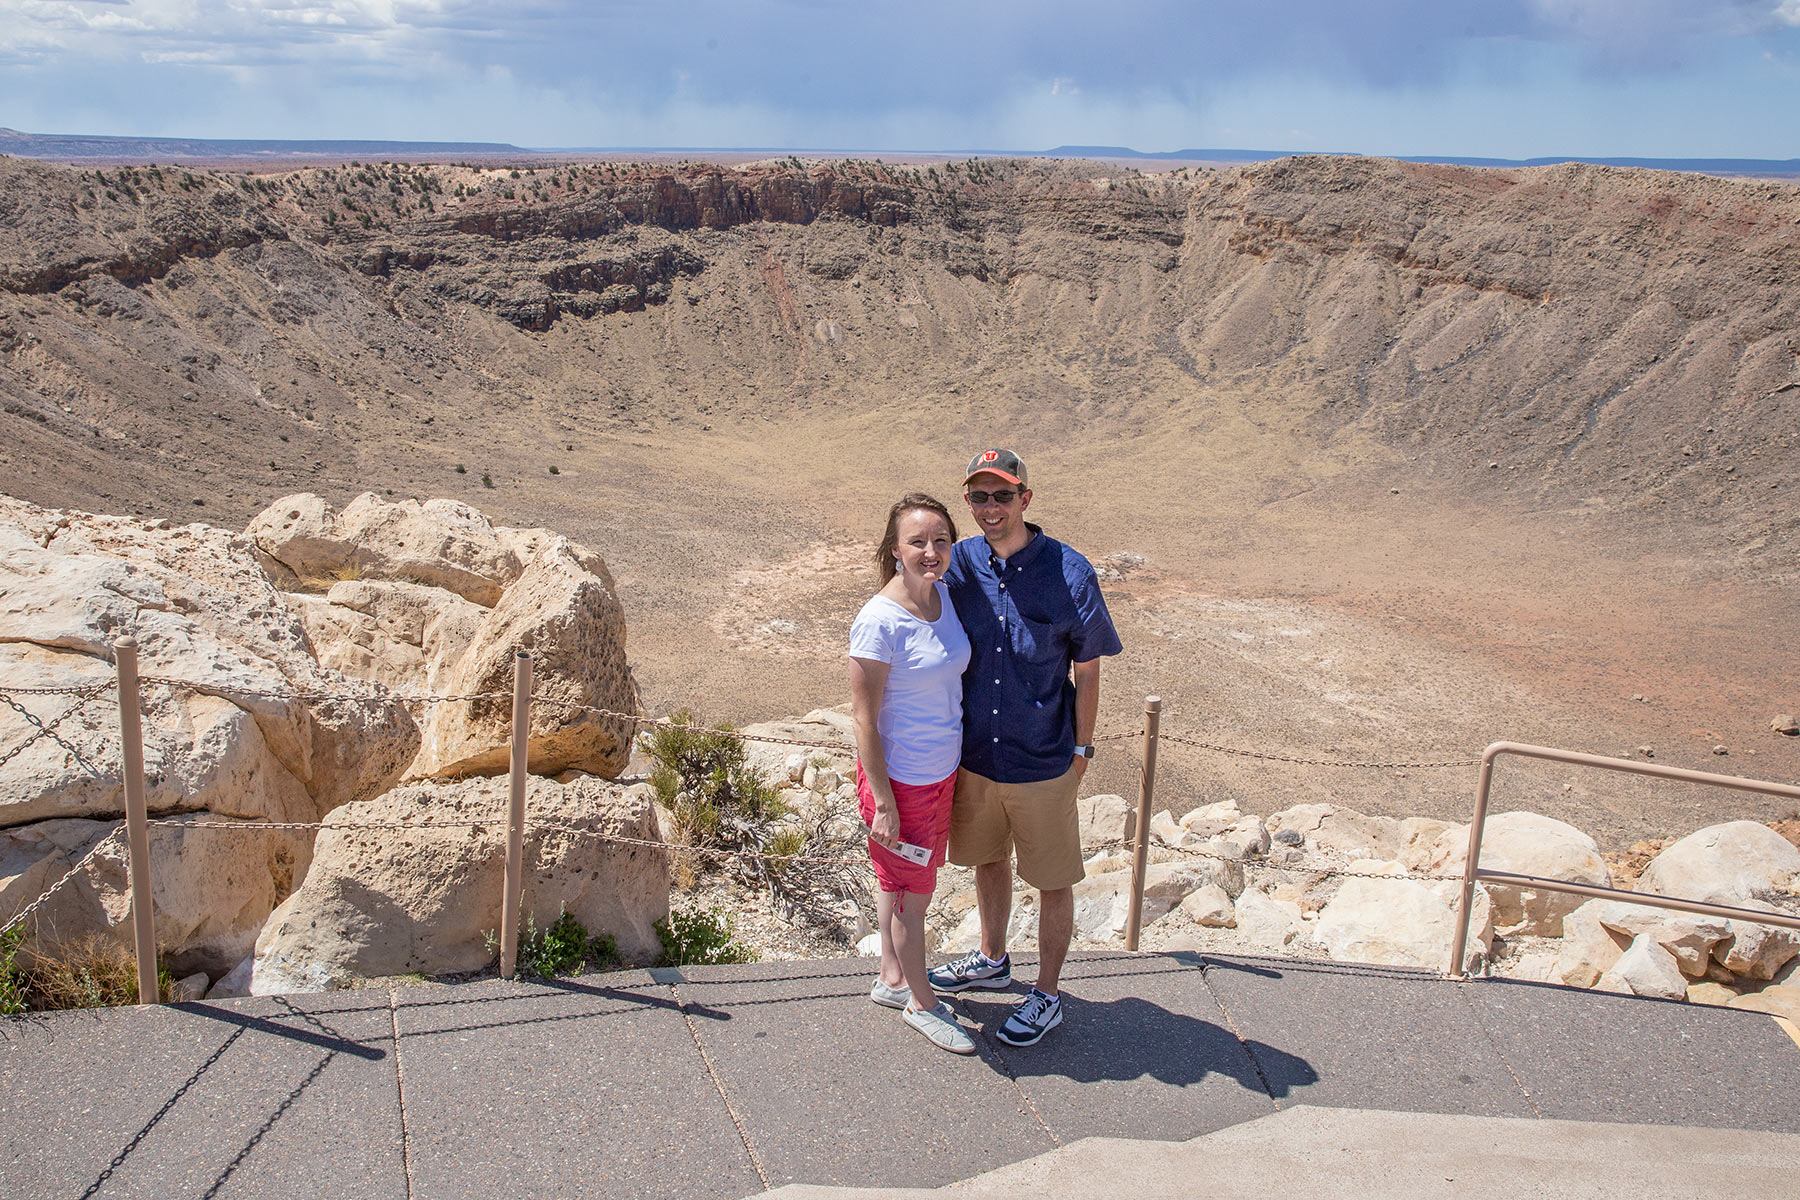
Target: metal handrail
1472,871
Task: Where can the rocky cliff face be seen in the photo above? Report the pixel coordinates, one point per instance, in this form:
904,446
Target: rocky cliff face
1597,330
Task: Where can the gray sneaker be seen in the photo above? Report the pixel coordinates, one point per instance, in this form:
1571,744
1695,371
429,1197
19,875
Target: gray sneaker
939,1024
1038,1015
892,997
971,970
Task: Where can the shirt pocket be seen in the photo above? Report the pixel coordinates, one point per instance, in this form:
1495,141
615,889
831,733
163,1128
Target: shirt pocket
1036,641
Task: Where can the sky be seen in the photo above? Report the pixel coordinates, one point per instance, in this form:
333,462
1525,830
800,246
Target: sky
1497,78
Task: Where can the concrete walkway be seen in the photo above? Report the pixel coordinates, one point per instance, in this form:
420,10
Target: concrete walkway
726,1081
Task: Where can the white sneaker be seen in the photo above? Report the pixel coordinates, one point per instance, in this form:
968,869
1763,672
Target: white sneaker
939,1024
892,997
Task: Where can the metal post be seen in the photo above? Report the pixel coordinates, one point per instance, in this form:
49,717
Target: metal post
1140,852
137,828
1477,823
515,817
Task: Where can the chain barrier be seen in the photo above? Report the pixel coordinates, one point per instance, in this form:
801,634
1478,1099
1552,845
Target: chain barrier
19,917
1317,762
87,696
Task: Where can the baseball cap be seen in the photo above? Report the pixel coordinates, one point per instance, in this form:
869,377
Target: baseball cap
1003,463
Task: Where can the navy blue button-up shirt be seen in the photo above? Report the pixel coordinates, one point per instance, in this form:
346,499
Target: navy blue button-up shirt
1027,622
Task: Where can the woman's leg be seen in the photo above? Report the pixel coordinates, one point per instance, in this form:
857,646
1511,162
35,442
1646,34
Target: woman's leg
891,973
906,932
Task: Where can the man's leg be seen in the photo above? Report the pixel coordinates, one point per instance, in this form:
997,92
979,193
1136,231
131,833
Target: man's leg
993,897
1056,926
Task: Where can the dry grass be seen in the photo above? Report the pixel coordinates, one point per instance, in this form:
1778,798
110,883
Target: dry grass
93,971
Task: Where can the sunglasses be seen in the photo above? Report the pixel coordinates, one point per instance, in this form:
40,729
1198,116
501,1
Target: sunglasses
1006,496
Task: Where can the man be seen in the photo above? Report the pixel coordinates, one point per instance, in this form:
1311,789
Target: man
1038,628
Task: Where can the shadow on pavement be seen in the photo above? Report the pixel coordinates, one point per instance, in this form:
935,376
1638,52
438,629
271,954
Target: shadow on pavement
1133,1038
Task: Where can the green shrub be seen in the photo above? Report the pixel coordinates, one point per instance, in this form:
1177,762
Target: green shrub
562,949
714,797
700,935
12,979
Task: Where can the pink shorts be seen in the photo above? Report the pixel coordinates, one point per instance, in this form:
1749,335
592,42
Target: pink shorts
924,821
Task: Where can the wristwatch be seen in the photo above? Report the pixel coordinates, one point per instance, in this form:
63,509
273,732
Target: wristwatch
1084,751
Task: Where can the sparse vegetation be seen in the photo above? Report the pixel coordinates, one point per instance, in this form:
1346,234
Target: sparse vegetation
91,972
563,948
700,935
715,799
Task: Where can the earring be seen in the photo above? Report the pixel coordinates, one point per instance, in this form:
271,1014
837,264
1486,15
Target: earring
899,565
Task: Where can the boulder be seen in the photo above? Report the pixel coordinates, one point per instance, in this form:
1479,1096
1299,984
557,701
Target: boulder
189,988
1401,922
1210,820
1341,831
1266,921
384,901
1210,906
1733,863
1645,969
1688,936
1707,992
565,609
1588,949
1778,1001
433,598
204,615
1527,844
212,888
1164,829
1021,927
1106,818
1248,838
1103,902
1743,864
832,727
306,544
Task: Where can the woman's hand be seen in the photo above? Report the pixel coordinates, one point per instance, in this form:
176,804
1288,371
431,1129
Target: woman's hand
885,829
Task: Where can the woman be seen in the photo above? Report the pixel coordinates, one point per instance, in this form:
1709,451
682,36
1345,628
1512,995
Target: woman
907,654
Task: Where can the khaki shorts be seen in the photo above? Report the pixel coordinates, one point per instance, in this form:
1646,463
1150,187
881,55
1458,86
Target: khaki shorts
989,821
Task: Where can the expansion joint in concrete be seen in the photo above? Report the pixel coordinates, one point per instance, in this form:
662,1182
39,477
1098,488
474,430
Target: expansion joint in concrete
406,1163
1249,1050
672,980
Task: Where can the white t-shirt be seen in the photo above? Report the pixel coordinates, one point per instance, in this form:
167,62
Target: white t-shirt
921,709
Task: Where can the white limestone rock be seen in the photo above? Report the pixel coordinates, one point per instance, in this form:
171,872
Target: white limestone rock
1102,902
1588,948
433,598
212,888
1527,844
189,988
1743,864
1646,969
1211,907
1106,818
377,902
1342,831
1266,921
203,612
1778,1001
1401,922
1688,936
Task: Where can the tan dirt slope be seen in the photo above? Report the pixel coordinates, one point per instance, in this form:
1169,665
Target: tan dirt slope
1389,460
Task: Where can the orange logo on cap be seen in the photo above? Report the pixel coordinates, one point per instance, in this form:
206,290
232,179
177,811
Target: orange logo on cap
989,455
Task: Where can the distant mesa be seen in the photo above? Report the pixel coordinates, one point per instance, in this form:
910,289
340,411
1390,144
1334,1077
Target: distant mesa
71,148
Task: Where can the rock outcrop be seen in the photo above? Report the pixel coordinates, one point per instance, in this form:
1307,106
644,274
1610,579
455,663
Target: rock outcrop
262,705
385,901
434,598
